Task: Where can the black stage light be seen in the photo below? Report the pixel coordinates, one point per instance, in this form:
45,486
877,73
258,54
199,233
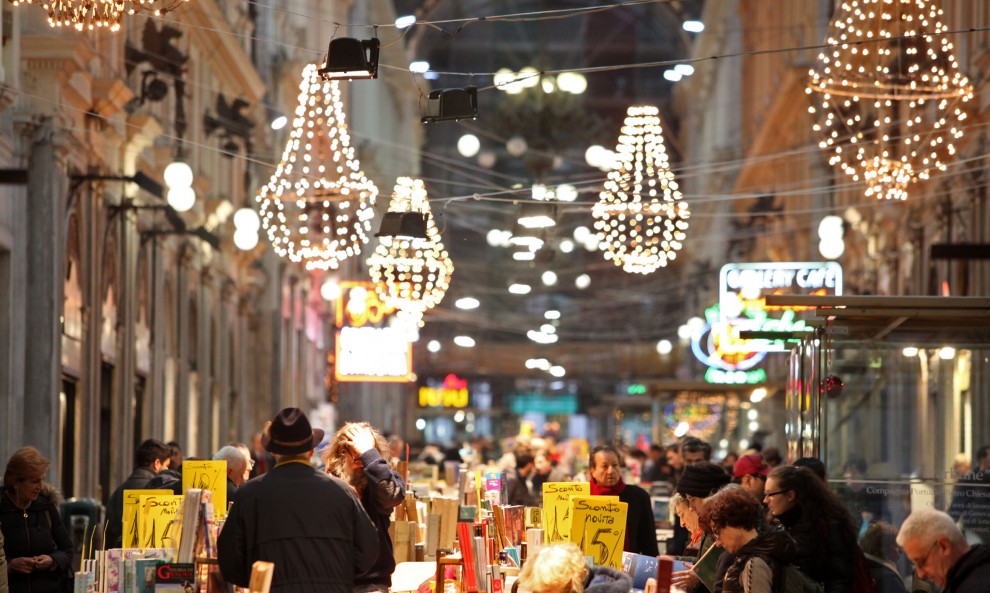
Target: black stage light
451,105
351,59
403,225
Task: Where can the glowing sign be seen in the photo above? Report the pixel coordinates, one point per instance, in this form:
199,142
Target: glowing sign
367,349
452,393
742,299
719,347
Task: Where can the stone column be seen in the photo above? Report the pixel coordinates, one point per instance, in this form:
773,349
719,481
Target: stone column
224,359
159,345
182,351
44,254
204,365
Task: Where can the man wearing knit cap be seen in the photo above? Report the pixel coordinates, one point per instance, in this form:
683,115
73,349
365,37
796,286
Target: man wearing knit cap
698,482
309,524
750,471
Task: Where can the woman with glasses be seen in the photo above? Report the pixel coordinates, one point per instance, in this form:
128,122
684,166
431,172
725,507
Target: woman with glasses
820,524
759,552
359,455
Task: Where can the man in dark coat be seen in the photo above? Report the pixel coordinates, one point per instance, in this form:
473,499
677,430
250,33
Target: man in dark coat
939,551
150,459
517,488
606,480
309,524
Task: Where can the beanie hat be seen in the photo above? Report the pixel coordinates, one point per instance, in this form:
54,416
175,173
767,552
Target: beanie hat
702,480
748,465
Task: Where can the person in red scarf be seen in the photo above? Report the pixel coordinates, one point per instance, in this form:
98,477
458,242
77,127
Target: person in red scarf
606,480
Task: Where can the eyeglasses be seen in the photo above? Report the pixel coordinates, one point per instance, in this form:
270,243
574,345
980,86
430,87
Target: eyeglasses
772,494
920,564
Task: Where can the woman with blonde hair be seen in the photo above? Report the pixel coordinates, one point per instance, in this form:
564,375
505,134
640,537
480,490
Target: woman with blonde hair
359,455
561,568
35,541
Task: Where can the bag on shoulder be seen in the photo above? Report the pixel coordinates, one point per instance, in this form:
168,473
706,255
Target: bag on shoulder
795,581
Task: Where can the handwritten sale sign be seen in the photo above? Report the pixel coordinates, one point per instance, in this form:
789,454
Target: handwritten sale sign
208,475
557,508
158,521
598,526
132,502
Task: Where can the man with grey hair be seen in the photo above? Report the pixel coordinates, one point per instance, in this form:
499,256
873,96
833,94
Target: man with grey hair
937,548
238,467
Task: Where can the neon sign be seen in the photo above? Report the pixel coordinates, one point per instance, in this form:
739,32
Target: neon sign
452,393
742,299
728,360
367,349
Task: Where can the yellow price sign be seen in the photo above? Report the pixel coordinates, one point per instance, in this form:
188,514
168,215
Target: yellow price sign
599,528
557,508
158,521
132,503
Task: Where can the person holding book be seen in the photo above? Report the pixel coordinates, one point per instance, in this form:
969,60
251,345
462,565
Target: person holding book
699,481
150,458
606,480
36,543
310,525
359,455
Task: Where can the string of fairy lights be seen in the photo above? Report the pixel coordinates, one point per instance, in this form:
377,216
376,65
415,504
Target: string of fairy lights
868,94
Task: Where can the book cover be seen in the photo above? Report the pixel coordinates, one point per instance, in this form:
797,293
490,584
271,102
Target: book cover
175,577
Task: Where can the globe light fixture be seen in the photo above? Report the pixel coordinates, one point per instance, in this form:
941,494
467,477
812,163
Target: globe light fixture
468,145
641,215
890,98
181,199
317,207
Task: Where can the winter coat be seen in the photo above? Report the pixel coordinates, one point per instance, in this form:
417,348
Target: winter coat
641,530
971,573
309,524
35,531
605,579
825,557
384,492
138,480
757,562
3,567
885,574
517,490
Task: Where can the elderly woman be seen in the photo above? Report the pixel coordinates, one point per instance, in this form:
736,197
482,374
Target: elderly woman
759,553
35,542
561,568
359,455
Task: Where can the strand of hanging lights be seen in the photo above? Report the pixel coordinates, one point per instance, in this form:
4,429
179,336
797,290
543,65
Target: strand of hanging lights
318,205
891,95
98,14
641,215
411,274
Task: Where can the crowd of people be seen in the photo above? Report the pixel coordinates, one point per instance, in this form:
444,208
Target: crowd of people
748,524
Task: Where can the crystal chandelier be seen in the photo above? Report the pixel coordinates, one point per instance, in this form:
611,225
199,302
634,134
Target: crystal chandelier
317,206
641,215
411,274
890,94
93,14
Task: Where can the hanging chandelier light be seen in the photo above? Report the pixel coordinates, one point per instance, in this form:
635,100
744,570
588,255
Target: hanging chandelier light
641,215
93,14
317,206
411,274
890,94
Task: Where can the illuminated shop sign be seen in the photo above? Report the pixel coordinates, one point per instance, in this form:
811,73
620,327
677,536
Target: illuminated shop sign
724,353
742,299
564,403
367,349
452,393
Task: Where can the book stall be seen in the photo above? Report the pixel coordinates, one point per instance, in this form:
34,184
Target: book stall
169,541
465,540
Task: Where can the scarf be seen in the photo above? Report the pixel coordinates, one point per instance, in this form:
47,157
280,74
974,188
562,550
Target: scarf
599,490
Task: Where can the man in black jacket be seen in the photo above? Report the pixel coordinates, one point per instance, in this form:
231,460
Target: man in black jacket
309,524
606,480
150,459
938,549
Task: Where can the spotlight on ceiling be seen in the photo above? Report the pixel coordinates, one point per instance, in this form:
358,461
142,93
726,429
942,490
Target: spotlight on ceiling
451,105
403,225
351,59
279,122
536,215
693,26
